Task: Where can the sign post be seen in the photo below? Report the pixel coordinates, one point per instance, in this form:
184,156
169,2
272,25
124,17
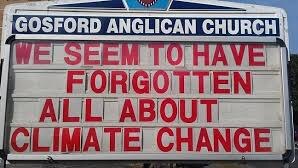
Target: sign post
145,80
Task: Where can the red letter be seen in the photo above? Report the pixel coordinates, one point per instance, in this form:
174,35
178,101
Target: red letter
166,81
194,111
56,139
217,82
163,108
38,53
204,54
66,117
103,80
91,140
127,111
23,51
209,110
201,82
156,48
188,140
71,143
121,82
203,140
146,109
35,142
48,111
112,132
220,139
88,111
181,75
88,53
144,82
75,54
219,55
238,56
128,138
13,140
238,80
245,140
70,79
130,58
253,54
170,54
160,145
259,140
107,53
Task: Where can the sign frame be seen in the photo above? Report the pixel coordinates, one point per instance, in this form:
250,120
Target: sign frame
48,8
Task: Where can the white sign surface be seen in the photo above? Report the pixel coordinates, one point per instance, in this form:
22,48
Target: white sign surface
145,97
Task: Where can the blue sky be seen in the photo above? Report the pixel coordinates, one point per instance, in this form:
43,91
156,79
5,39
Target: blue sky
291,6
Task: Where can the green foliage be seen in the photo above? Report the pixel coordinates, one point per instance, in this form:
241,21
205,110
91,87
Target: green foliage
293,81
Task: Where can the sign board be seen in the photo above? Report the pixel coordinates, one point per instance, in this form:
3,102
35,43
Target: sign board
145,80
